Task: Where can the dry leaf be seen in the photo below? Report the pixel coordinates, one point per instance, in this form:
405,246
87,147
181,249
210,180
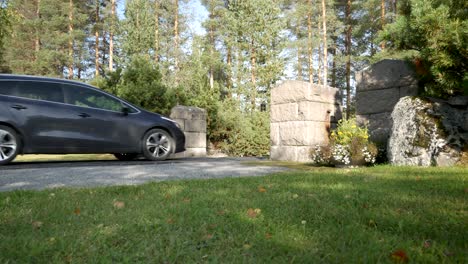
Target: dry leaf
168,196
221,212
170,221
268,236
37,224
261,189
247,246
208,236
119,205
400,256
77,211
418,178
253,213
186,200
427,244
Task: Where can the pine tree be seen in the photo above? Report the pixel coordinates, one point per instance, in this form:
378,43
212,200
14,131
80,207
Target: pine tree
432,33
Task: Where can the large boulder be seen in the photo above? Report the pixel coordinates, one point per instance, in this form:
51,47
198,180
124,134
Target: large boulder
428,132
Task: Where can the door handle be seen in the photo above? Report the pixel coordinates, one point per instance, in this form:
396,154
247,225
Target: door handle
84,115
19,107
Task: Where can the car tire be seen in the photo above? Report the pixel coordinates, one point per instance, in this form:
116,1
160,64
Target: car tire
10,145
157,144
125,156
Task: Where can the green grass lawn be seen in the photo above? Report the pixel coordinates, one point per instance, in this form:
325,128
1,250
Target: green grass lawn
370,215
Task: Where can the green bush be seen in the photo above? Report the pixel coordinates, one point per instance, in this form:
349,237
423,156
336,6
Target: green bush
241,133
141,84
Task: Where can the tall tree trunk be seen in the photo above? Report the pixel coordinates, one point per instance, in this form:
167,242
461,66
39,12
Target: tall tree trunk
320,57
37,39
348,59
325,45
212,46
176,41
229,70
299,55
253,75
309,42
111,36
382,20
333,80
70,41
156,31
96,38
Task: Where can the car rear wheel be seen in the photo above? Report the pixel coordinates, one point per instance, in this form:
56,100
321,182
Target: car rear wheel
157,144
125,156
9,145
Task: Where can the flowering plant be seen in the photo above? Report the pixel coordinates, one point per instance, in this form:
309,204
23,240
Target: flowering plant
349,145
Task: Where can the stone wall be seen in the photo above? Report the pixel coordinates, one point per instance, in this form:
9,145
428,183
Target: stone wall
302,115
192,121
378,89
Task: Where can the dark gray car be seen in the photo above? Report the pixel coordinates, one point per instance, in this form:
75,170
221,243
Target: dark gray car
53,116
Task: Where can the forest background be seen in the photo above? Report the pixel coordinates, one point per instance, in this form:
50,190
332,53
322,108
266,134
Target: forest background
148,52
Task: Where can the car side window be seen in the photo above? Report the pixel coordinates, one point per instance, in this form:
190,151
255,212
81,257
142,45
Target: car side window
8,87
47,91
85,97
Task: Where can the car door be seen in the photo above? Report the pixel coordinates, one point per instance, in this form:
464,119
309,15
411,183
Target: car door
101,123
39,112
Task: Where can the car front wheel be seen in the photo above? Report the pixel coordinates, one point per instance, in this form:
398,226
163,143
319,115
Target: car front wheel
157,144
9,145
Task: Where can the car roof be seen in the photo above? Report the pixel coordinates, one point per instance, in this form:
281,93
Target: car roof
39,78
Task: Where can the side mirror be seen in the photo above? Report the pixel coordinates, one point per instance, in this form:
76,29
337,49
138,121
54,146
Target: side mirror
125,111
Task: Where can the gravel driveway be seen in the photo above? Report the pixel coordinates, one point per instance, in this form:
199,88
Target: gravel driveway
37,176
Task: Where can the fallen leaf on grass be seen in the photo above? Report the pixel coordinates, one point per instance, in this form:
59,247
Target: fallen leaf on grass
418,178
268,236
253,213
118,204
208,236
427,244
77,211
37,224
372,223
400,256
261,189
167,196
51,240
170,221
186,200
221,212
